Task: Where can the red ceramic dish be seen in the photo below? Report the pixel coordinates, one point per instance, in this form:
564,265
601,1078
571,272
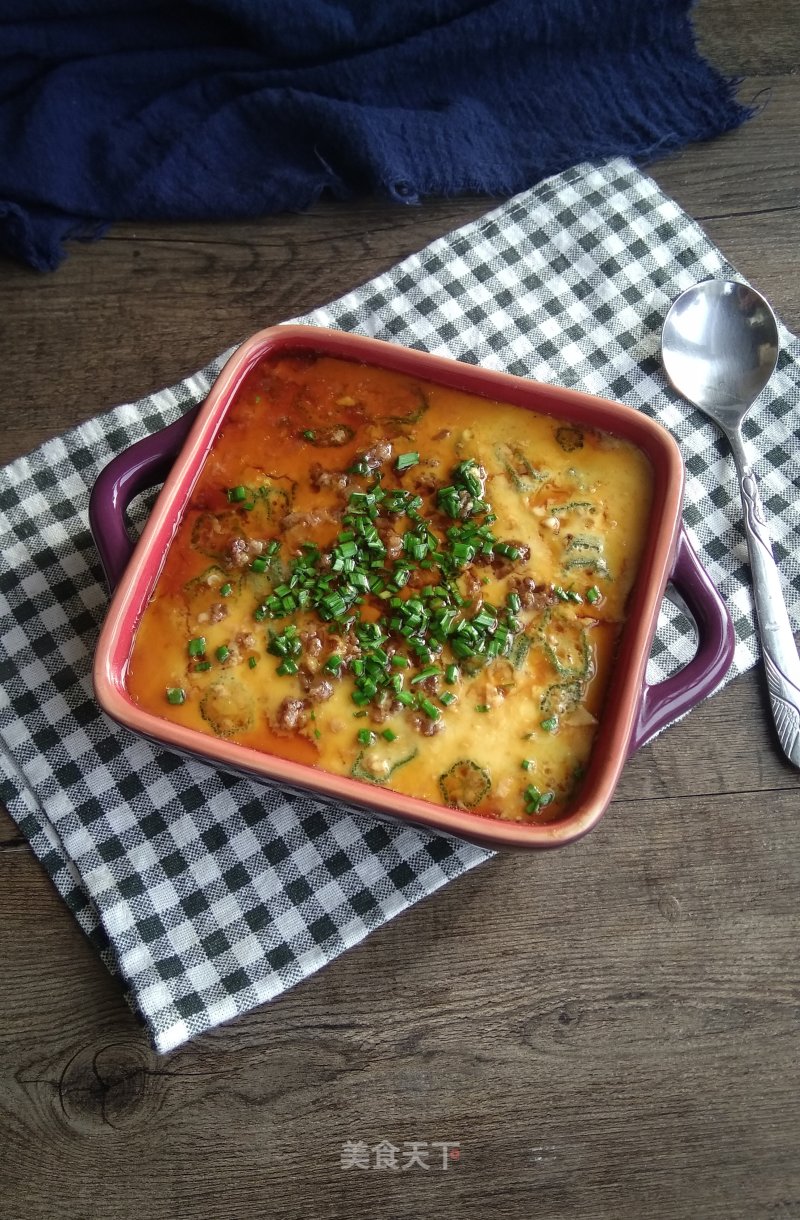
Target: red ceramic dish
633,711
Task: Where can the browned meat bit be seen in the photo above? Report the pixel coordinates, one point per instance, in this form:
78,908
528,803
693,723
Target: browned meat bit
380,452
531,595
525,588
217,612
428,685
240,551
523,548
382,709
313,517
319,477
502,566
312,642
317,686
246,639
424,725
392,541
344,646
474,589
424,485
292,715
419,578
232,657
237,554
442,434
339,434
465,502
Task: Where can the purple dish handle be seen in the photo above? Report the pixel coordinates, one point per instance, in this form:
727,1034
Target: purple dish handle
143,465
668,700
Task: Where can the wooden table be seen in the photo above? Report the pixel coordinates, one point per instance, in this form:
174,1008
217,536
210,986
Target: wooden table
608,1031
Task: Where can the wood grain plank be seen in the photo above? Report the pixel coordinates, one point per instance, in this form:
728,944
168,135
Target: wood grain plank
749,39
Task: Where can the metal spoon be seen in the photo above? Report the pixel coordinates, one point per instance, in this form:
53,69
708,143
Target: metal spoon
720,347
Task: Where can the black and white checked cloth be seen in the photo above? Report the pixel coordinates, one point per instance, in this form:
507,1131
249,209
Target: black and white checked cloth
209,894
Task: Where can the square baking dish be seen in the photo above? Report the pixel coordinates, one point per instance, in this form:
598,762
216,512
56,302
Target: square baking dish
633,711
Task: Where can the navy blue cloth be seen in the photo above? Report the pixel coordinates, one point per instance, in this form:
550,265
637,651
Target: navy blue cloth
117,109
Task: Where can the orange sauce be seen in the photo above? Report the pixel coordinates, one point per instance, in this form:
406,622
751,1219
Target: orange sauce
329,482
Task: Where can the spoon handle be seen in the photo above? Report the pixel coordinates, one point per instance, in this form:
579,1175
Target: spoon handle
781,661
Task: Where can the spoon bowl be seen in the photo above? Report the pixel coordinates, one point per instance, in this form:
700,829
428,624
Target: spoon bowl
719,349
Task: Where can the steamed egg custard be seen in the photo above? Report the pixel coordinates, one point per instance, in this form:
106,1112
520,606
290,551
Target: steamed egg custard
397,581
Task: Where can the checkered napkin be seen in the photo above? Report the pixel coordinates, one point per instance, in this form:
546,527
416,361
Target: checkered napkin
209,894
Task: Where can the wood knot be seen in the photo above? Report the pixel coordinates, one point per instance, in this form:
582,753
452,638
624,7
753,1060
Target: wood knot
568,1016
112,1086
547,1030
669,907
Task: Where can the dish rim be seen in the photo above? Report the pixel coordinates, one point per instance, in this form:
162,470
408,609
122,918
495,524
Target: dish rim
627,687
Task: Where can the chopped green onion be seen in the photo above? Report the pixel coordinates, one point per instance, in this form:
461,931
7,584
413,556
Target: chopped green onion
533,798
223,652
365,737
226,589
462,649
176,694
202,666
389,735
236,494
430,671
451,674
593,595
550,724
252,662
481,707
287,666
406,460
536,800
430,709
197,646
259,564
484,619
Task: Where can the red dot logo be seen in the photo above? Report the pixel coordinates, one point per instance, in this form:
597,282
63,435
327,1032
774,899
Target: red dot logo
455,1154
